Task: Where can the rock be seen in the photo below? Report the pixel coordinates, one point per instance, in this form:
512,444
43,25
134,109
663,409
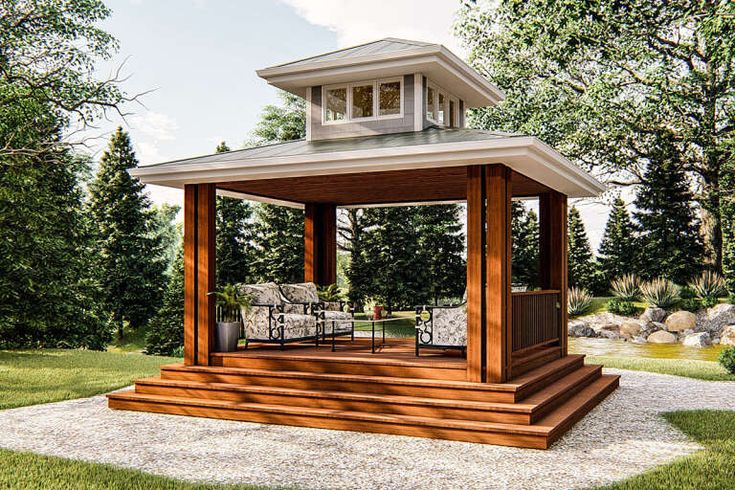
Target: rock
653,314
630,329
681,321
662,337
639,340
714,319
609,331
580,329
700,339
651,327
727,336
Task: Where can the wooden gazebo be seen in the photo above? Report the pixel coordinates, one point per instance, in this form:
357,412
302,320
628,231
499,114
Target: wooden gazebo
515,385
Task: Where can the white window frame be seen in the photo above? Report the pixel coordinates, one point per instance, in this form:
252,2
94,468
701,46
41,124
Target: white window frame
432,86
447,97
455,116
376,101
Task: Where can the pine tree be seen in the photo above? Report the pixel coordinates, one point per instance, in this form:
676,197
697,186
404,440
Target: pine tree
165,228
671,243
441,248
165,334
525,232
618,253
279,243
728,225
131,261
581,260
234,247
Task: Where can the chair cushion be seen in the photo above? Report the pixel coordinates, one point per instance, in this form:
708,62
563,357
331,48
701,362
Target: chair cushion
304,292
266,293
449,326
330,315
297,326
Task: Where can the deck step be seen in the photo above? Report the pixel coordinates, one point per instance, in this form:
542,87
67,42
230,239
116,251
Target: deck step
515,413
534,359
538,435
511,392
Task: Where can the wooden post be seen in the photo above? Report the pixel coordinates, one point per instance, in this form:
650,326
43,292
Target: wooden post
553,253
498,275
320,243
199,272
476,273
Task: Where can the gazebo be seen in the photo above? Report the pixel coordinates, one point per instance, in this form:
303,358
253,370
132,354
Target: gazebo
514,384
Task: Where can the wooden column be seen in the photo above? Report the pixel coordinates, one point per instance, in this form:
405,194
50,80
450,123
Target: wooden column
320,243
476,273
498,275
553,253
199,272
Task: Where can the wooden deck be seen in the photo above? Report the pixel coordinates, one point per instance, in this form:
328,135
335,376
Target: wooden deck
391,391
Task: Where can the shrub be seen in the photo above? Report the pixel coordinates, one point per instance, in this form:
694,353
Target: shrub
621,307
727,359
626,288
660,292
687,293
709,287
709,302
579,301
690,304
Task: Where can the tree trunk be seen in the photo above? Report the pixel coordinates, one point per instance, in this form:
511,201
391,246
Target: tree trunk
711,213
120,328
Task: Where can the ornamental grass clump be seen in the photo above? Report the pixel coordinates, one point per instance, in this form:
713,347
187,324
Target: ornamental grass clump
626,287
660,292
708,288
579,301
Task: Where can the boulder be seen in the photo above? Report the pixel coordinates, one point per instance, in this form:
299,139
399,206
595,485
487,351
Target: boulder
580,329
653,314
681,321
651,327
639,340
609,331
727,336
714,319
630,329
661,337
700,339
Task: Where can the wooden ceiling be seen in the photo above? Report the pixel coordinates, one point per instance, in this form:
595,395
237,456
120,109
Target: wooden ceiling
399,186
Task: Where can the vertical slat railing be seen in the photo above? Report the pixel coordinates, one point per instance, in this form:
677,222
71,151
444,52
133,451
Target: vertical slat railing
535,318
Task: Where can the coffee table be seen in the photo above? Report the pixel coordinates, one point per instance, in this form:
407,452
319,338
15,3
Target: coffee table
376,326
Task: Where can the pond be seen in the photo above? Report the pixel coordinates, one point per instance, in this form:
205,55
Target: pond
621,348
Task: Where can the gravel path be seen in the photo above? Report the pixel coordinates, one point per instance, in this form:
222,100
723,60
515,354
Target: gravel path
621,437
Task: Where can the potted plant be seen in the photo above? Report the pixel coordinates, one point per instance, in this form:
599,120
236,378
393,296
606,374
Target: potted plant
331,295
230,302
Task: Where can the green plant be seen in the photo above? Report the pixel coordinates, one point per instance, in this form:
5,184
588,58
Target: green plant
626,287
579,301
687,293
620,306
330,293
709,302
727,359
231,302
691,304
708,287
660,292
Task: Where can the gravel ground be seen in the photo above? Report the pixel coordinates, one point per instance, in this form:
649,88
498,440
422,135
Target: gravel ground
621,437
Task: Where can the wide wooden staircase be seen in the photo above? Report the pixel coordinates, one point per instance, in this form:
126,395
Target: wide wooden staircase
393,397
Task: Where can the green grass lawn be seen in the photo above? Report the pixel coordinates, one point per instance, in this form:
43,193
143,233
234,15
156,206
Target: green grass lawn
27,470
706,370
710,469
29,377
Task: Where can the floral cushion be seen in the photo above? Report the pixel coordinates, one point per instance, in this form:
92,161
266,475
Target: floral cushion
330,315
256,320
449,326
304,292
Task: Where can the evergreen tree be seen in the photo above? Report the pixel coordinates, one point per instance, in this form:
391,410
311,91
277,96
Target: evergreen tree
279,243
728,220
131,263
581,260
671,244
234,248
167,232
525,232
441,249
285,122
618,254
165,333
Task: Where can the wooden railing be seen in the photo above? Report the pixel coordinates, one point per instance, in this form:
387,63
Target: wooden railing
535,318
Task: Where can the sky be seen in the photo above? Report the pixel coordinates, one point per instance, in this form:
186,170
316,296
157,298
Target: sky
195,62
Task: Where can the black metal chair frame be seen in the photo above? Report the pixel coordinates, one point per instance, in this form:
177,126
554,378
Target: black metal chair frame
425,329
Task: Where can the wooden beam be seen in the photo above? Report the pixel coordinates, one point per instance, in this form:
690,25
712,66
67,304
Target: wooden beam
553,253
475,273
320,243
498,276
190,276
205,272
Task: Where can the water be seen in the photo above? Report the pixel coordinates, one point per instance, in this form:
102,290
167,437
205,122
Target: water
621,348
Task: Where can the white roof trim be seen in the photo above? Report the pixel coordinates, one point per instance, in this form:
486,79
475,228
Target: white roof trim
525,154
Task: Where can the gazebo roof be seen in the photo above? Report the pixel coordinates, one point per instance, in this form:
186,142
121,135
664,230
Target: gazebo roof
406,167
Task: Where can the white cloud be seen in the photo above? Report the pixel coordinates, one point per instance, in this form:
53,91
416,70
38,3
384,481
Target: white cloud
356,21
155,125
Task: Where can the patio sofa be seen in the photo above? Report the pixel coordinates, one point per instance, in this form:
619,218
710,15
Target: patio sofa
286,313
441,327
329,313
